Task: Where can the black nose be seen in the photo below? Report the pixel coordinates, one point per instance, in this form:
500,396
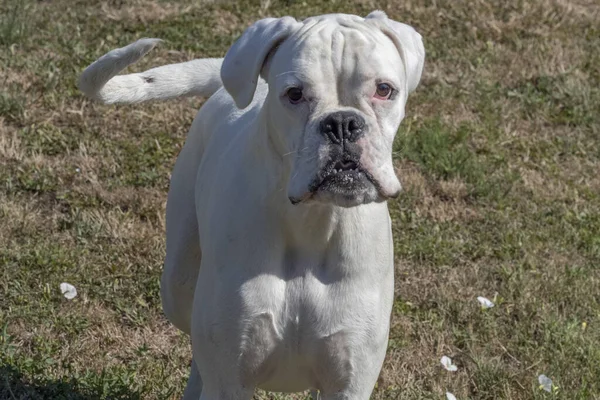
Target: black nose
343,126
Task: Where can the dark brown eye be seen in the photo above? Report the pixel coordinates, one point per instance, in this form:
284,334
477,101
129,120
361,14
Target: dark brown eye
295,95
384,91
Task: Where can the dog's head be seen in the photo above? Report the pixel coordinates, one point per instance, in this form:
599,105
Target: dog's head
338,85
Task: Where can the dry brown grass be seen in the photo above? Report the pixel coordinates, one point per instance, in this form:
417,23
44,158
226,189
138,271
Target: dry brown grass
499,158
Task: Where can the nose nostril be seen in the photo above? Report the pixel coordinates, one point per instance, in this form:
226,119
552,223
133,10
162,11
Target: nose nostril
355,124
342,126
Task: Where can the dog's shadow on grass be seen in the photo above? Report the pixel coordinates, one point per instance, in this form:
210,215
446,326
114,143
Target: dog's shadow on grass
15,386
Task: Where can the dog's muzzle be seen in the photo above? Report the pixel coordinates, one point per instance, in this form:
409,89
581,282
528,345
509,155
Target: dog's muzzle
342,179
343,127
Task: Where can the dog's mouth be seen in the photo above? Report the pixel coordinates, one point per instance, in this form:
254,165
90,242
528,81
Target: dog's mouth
346,173
344,179
345,166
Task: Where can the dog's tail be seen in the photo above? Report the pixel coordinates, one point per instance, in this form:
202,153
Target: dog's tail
193,78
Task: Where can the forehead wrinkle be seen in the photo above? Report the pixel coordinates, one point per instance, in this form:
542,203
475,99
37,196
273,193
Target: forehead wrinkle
338,49
346,49
355,56
324,30
346,45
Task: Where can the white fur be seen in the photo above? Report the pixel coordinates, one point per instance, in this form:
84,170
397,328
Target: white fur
409,44
244,61
274,295
192,78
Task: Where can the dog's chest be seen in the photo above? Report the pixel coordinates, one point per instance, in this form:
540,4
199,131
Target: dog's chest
303,340
295,320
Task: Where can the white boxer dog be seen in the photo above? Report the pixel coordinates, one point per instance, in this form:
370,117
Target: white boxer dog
279,245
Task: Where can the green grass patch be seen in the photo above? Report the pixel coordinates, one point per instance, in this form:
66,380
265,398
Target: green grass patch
14,21
12,107
441,150
498,156
561,99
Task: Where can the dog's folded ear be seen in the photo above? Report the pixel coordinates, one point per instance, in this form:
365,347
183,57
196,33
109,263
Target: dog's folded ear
245,59
408,42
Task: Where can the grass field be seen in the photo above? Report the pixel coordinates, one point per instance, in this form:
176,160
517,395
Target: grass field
499,156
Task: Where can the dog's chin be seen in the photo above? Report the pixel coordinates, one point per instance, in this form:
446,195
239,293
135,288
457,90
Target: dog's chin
347,199
342,188
346,189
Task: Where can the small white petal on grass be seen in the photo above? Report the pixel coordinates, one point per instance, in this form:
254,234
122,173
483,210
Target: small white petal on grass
545,383
450,396
447,363
77,170
68,290
485,303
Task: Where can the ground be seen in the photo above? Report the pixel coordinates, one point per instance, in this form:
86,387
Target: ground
499,155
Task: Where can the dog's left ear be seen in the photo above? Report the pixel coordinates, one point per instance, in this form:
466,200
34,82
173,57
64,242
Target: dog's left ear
409,44
245,59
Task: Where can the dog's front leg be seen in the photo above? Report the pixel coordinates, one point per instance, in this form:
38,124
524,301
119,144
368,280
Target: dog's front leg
360,391
225,391
216,373
360,378
194,385
214,388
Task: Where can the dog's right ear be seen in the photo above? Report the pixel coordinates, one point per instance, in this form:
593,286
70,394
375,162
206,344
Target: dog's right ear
245,59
